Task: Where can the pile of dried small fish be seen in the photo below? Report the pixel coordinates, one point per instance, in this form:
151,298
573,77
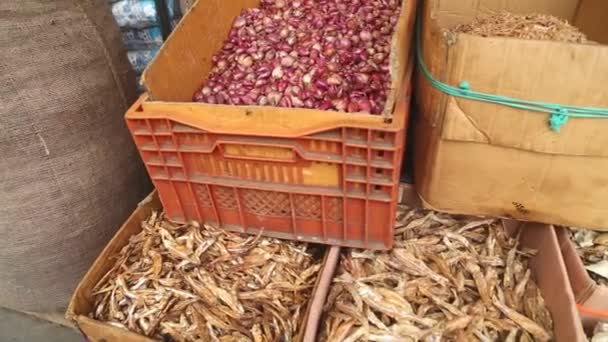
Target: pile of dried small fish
592,246
529,26
187,282
447,278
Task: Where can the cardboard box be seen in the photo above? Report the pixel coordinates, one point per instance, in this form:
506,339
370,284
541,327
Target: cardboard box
485,159
81,303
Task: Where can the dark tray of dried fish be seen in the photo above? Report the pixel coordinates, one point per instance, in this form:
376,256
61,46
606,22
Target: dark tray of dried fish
448,278
162,281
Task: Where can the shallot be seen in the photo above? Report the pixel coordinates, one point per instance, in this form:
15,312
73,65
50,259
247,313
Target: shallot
322,54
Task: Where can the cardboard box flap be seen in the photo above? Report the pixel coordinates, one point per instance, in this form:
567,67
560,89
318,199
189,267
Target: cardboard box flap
570,74
590,18
81,304
551,276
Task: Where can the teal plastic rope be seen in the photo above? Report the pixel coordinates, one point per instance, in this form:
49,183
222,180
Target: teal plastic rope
559,113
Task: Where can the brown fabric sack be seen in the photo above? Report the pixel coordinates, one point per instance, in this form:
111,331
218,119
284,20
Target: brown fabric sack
69,173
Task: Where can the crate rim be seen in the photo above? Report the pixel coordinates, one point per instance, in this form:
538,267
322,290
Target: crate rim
242,120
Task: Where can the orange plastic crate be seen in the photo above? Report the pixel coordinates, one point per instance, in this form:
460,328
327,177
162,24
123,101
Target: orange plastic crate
302,174
336,186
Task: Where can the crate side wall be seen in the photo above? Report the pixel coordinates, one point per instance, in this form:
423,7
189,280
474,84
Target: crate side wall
337,186
185,58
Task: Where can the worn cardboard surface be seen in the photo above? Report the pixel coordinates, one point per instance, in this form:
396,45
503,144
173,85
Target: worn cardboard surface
81,303
488,180
485,159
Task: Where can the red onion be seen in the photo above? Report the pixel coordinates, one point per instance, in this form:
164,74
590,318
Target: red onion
244,60
325,105
238,76
221,64
306,79
274,98
287,61
277,72
239,22
362,78
262,100
296,102
340,104
285,102
345,43
352,107
334,79
199,97
365,36
282,85
309,103
364,106
329,52
323,54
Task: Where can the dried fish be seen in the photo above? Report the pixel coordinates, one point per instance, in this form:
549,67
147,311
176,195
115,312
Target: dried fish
200,283
523,26
592,247
447,279
527,324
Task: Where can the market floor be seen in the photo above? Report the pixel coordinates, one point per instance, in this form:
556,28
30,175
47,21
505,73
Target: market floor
18,327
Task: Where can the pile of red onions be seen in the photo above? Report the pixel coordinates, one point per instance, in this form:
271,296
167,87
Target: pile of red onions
322,54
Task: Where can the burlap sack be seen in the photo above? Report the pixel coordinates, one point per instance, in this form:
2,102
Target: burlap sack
69,173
